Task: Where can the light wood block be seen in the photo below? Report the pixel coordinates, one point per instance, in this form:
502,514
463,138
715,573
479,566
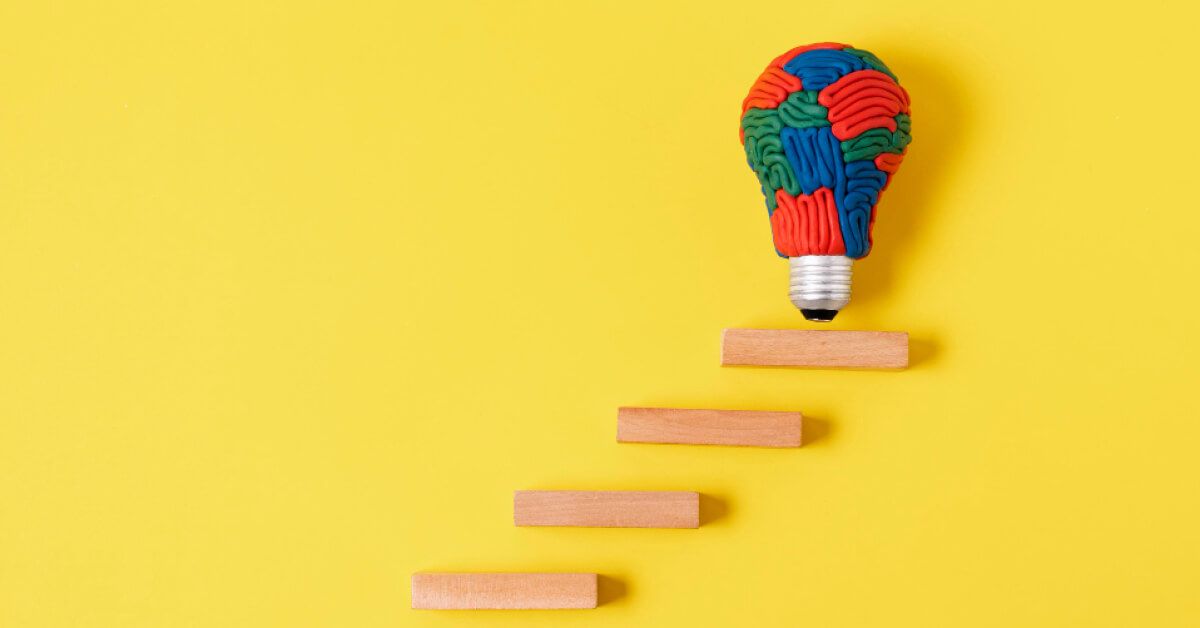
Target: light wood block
607,509
448,591
708,427
815,348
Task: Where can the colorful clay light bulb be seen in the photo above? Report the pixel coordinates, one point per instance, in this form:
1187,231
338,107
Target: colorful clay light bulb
825,127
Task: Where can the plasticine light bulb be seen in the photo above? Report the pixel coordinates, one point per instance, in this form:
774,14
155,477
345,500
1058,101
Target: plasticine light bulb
824,127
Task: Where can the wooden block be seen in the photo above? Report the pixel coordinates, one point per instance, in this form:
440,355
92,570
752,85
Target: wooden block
607,509
815,348
708,427
447,591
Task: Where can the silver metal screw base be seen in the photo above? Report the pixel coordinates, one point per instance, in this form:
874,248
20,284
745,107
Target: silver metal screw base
820,285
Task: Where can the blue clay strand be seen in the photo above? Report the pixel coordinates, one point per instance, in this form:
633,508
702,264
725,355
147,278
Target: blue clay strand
818,69
815,157
856,198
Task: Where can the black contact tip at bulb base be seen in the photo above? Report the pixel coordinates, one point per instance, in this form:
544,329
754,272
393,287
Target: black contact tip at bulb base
819,316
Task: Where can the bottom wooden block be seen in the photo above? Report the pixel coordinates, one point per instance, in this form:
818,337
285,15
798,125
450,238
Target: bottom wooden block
478,591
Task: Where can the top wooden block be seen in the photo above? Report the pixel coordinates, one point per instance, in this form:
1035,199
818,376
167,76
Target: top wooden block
815,348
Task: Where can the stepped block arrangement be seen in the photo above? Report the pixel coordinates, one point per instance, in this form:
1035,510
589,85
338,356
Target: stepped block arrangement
680,426
815,349
607,509
659,509
449,591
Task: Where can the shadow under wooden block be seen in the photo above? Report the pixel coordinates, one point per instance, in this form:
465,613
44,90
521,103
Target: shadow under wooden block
500,591
712,508
607,509
609,589
814,348
816,430
921,351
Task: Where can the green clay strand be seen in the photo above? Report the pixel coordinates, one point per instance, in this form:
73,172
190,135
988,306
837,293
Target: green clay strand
781,174
762,171
769,195
903,135
759,123
752,156
766,156
801,110
869,144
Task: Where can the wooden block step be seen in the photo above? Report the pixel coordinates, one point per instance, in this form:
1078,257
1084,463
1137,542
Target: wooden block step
815,348
607,509
708,427
446,591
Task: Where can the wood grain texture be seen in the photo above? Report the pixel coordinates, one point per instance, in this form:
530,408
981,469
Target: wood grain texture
681,426
503,590
815,348
607,509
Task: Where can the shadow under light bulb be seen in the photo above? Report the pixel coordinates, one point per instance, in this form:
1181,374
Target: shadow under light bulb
825,127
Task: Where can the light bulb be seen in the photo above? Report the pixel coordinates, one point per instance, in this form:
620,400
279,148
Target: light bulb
824,127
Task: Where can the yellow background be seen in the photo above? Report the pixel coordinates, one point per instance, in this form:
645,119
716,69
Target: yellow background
293,296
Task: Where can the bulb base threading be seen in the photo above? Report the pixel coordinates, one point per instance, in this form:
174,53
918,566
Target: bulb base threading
820,284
